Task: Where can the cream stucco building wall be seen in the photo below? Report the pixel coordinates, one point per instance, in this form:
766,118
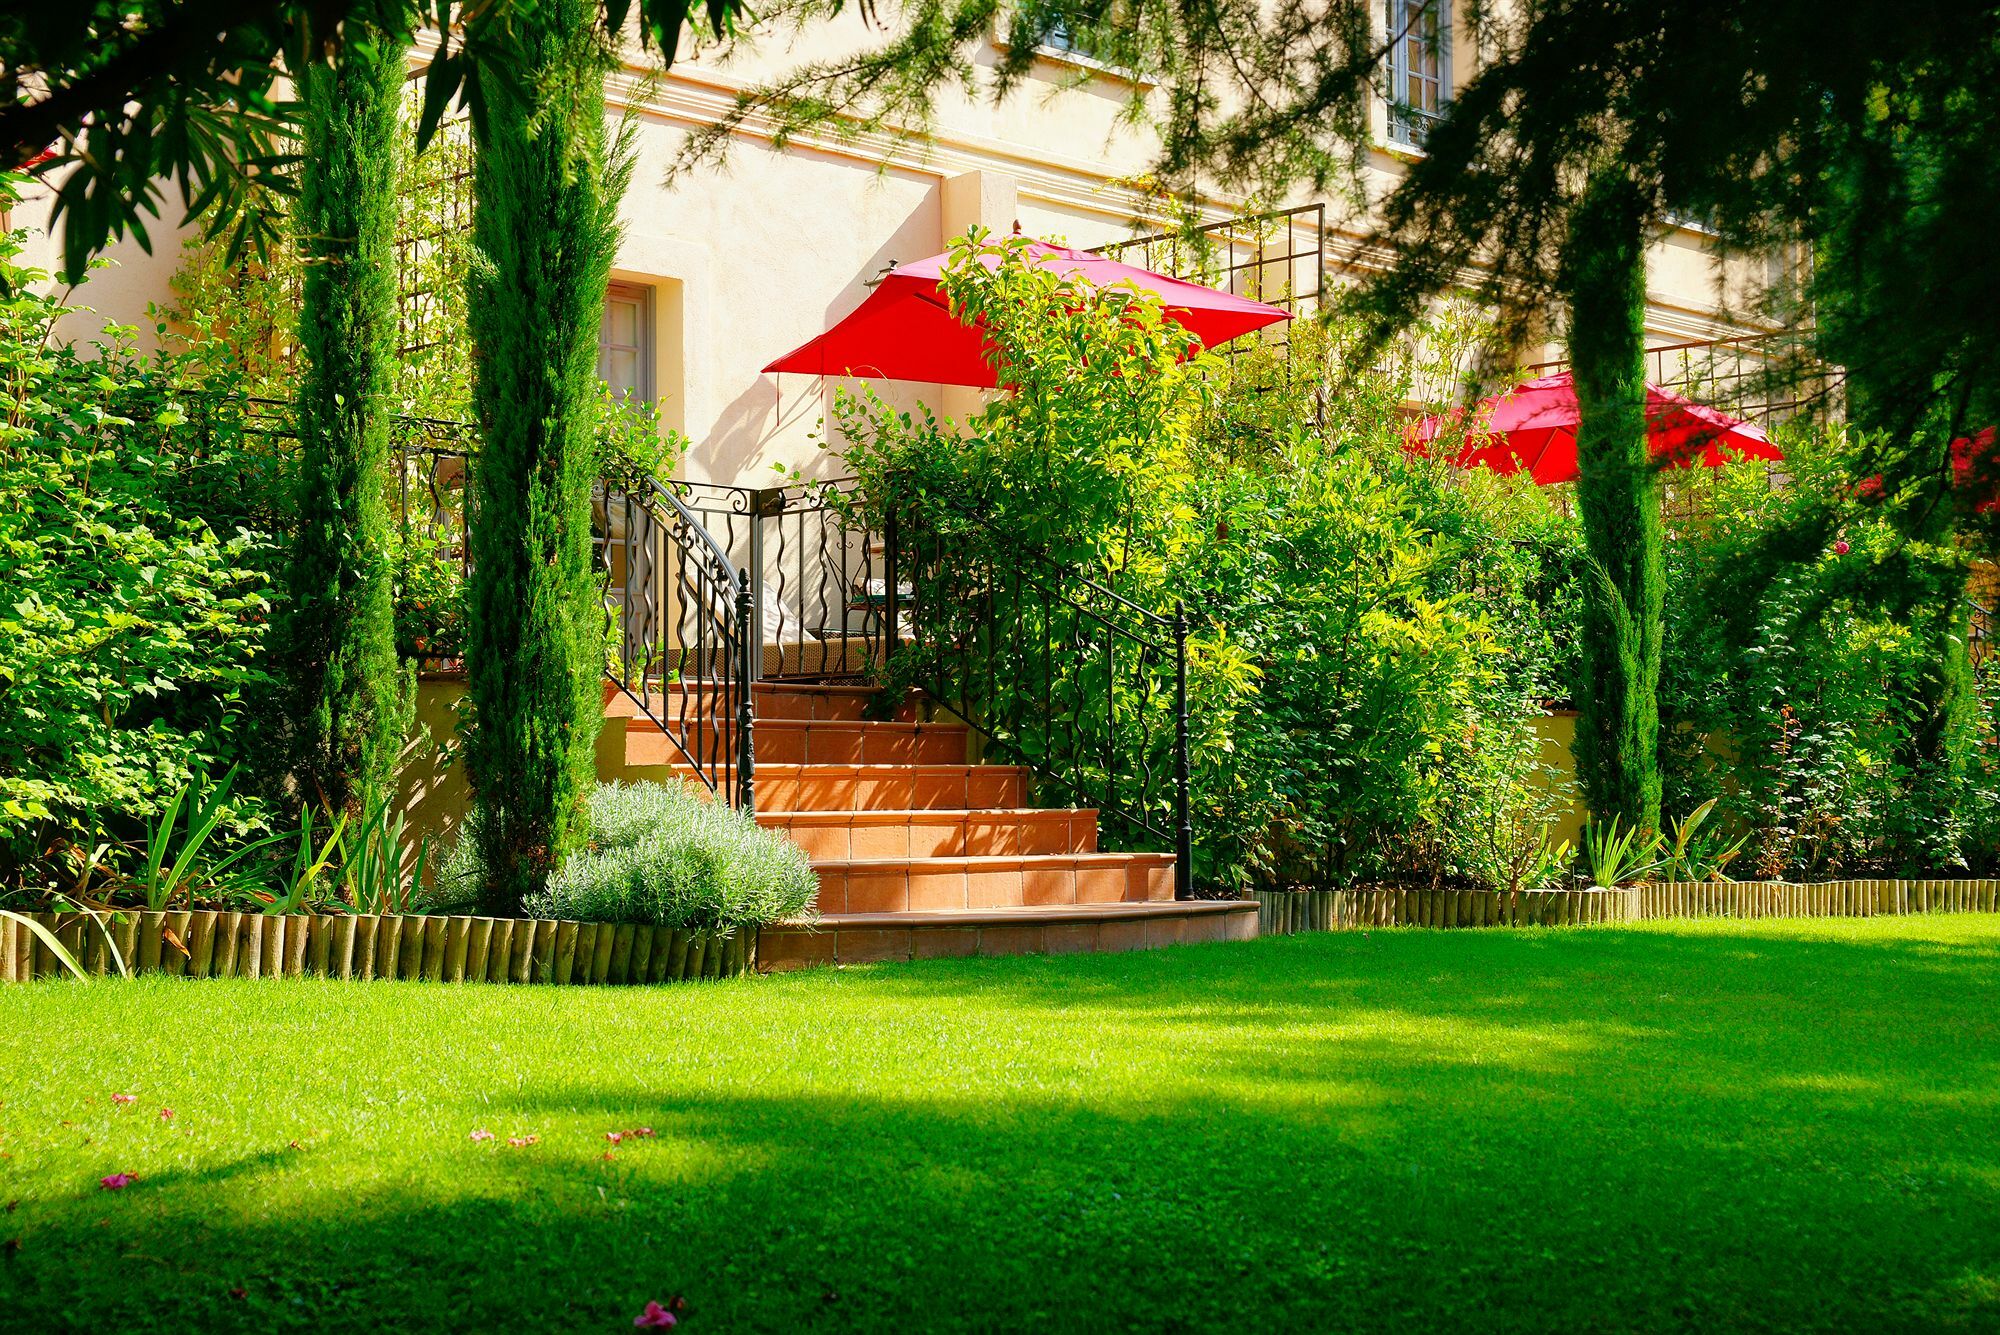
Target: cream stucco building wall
742,262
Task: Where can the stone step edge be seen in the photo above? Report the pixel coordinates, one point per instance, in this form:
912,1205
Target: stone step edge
1005,917
829,725
878,770
993,862
923,815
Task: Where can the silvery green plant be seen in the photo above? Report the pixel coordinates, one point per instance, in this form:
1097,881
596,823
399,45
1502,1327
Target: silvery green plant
667,855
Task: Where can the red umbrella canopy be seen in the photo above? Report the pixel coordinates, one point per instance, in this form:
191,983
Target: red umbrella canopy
1532,427
905,329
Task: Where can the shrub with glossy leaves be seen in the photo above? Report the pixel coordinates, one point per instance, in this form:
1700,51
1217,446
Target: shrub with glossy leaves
131,625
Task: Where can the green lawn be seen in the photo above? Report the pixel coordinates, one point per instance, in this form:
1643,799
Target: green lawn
1758,1125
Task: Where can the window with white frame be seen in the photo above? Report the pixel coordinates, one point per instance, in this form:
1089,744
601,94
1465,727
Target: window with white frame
1419,36
625,342
625,363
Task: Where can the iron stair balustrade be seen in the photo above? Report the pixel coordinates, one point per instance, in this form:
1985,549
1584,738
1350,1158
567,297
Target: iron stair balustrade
814,568
1058,671
843,588
687,647
690,607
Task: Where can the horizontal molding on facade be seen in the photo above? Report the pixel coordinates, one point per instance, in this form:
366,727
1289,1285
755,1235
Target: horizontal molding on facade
701,97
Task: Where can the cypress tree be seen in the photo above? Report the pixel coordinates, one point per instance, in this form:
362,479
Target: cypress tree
1618,709
545,197
352,699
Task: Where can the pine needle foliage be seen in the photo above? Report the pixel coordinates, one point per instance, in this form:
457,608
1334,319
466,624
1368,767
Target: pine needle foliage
546,187
353,701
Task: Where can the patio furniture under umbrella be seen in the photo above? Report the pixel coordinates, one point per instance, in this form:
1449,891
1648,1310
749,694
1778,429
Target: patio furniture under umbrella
905,329
1532,428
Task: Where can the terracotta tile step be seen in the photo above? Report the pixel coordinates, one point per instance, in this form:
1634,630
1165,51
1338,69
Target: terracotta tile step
790,741
888,787
905,885
867,938
840,835
769,700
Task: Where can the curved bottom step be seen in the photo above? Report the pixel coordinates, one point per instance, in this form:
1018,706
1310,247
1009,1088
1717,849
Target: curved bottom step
1068,929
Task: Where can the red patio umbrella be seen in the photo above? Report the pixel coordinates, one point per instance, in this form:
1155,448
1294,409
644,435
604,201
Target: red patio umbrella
1532,427
905,329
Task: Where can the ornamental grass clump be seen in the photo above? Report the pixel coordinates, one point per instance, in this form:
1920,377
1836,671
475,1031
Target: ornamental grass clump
663,854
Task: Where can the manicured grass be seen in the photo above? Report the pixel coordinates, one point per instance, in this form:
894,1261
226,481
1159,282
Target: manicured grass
1749,1126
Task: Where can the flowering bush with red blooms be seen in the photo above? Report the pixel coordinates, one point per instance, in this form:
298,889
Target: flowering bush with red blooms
430,597
1975,471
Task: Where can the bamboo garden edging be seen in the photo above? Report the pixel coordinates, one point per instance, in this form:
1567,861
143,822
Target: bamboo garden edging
363,946
1286,912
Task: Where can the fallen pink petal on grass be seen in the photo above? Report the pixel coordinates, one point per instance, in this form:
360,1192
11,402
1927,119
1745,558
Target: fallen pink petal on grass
520,1141
614,1136
655,1316
124,1098
116,1181
166,1114
481,1134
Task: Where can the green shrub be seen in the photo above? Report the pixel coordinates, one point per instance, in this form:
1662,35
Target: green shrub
131,625
666,855
1359,704
1802,673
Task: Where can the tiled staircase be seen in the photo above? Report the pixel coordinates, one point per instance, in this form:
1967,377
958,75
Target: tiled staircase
922,853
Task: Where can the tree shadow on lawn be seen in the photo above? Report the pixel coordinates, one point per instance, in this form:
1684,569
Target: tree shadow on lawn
1582,1130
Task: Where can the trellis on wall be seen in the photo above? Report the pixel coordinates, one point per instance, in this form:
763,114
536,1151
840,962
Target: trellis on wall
1278,258
433,255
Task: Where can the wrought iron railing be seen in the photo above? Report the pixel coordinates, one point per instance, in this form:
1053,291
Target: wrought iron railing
1057,671
1054,669
814,569
680,612
683,614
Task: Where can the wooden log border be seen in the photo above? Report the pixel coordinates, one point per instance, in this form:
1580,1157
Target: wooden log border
1289,912
361,947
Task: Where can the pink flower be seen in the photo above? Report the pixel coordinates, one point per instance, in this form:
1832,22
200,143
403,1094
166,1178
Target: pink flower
481,1134
1841,548
643,1133
656,1315
124,1098
614,1136
116,1182
166,1114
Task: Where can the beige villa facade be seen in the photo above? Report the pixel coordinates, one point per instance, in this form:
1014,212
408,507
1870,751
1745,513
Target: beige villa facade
734,265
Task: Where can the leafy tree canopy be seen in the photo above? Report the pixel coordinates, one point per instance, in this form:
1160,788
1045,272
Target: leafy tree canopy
109,100
1865,131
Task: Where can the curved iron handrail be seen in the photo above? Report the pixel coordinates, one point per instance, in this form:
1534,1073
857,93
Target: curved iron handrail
1059,672
1062,674
686,652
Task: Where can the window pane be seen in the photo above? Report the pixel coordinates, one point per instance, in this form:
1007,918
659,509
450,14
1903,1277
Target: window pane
625,347
621,370
622,314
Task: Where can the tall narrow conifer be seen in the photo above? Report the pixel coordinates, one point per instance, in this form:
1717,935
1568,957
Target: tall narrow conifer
351,701
1617,700
545,191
